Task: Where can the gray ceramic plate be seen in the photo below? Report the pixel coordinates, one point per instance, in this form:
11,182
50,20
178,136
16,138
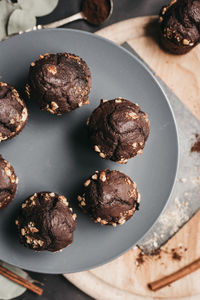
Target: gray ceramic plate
53,153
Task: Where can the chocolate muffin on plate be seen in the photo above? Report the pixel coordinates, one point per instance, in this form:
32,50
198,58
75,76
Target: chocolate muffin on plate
46,222
118,129
59,82
109,197
8,183
180,25
13,112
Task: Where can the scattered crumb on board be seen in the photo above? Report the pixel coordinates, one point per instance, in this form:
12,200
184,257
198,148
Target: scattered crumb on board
196,146
174,254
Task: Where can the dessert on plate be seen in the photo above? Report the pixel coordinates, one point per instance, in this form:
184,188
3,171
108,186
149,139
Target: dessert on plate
8,183
109,197
59,82
46,222
13,112
118,129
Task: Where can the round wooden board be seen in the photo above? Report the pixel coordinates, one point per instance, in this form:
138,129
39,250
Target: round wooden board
122,278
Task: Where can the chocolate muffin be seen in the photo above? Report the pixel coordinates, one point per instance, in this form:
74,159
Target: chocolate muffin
118,129
109,197
46,222
13,112
180,25
59,82
8,183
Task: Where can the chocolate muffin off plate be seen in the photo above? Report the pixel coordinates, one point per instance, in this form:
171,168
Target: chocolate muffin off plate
8,183
59,82
109,197
180,25
13,112
118,129
46,222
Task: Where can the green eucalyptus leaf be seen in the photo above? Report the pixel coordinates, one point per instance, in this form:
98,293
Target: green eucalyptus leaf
6,8
8,288
38,7
20,20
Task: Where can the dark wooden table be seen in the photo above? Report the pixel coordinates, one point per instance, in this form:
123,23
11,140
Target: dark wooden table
56,287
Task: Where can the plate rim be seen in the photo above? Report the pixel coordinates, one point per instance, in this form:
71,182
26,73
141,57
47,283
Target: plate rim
151,73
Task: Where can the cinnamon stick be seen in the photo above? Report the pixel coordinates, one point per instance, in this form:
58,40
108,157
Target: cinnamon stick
20,280
158,284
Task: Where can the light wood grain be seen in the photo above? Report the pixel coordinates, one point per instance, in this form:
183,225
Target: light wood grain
128,29
122,279
180,72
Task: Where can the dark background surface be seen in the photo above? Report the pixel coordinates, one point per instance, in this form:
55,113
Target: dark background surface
56,287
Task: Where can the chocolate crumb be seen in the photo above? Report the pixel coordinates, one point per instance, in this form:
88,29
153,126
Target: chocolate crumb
140,259
156,252
196,146
176,255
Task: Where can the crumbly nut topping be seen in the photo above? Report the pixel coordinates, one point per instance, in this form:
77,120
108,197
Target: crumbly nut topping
74,216
87,182
96,148
85,102
52,69
102,176
27,90
95,176
8,171
64,200
118,100
101,154
3,84
186,42
133,115
128,181
49,109
132,193
79,198
134,145
122,161
54,105
121,221
103,222
139,198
